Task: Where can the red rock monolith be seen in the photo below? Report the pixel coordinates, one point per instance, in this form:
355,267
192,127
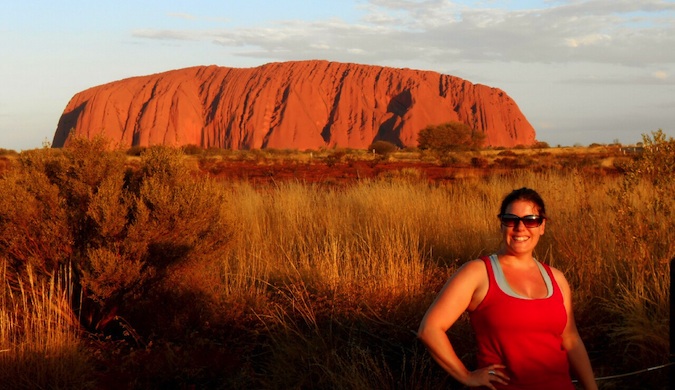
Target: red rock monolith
289,105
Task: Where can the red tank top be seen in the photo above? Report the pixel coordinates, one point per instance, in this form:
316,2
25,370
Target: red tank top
523,334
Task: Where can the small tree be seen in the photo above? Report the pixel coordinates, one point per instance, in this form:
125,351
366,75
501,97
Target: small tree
449,136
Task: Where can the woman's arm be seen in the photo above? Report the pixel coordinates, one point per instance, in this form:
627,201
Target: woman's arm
576,351
463,290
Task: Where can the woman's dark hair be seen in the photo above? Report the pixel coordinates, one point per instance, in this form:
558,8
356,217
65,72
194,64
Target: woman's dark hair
526,194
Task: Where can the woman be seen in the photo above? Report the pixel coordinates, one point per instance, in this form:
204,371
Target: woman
520,310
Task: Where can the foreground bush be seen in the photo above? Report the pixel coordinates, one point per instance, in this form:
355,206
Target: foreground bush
124,232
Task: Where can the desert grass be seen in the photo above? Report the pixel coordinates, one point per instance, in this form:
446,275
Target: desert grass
323,286
40,338
386,240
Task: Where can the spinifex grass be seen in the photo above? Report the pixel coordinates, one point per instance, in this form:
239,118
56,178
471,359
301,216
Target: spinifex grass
39,336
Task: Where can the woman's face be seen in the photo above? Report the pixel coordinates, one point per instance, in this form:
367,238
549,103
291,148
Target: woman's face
520,240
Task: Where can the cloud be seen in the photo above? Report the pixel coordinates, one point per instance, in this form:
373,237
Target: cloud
588,40
622,32
166,35
659,77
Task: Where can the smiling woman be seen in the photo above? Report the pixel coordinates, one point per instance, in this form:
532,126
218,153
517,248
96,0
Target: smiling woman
520,310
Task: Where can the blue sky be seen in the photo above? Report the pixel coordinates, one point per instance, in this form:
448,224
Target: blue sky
581,71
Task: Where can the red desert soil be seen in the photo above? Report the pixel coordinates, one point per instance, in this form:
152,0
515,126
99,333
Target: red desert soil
337,174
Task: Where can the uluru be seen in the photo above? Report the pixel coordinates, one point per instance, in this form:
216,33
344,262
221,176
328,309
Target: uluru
289,105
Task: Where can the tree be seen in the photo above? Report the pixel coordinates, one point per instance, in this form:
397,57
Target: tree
450,136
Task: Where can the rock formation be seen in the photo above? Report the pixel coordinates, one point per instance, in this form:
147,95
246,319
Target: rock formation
290,105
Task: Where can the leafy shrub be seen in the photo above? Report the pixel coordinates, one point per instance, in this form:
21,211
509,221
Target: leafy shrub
7,152
334,157
657,161
34,228
382,148
507,162
643,212
192,150
450,136
509,153
479,162
135,150
124,232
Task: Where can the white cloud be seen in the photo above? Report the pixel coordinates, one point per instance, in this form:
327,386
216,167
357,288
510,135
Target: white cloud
319,46
588,40
437,31
177,35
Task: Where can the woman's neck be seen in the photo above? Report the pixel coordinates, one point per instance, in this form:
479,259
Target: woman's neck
524,260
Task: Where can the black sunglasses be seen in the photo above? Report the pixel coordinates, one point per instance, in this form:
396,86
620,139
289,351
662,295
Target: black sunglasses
529,221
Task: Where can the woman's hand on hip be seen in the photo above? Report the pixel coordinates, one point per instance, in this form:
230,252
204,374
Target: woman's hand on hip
486,376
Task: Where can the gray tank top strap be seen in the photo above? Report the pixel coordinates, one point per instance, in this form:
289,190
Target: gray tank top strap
504,285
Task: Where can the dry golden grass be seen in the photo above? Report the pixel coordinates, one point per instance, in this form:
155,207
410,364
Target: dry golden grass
383,239
323,286
40,338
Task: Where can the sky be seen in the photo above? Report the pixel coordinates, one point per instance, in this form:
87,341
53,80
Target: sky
581,71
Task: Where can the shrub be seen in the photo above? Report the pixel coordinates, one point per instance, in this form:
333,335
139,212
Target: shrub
642,213
34,228
382,148
8,152
125,232
450,136
657,160
192,150
479,162
135,150
508,153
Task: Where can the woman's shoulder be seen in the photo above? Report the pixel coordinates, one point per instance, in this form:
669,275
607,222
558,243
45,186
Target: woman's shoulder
558,274
559,277
475,264
474,267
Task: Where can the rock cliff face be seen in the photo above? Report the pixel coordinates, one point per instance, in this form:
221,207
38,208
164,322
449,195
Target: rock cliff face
291,105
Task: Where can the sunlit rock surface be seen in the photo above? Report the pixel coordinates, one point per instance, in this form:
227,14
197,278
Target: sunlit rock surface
289,105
